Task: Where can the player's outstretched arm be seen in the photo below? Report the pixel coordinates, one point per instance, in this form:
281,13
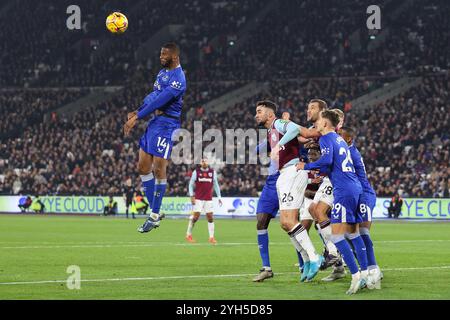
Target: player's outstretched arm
309,133
191,186
324,161
217,187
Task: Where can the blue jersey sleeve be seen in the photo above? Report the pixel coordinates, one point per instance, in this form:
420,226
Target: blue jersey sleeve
325,161
152,102
356,158
289,129
148,99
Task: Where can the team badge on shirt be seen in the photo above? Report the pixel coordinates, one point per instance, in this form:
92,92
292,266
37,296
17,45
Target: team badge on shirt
175,85
274,136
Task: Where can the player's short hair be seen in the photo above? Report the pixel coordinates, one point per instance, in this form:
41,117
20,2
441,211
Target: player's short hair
339,112
322,104
172,46
349,130
268,104
332,116
314,147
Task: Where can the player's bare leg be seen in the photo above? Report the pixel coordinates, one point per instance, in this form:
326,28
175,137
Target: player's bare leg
375,274
306,223
263,220
209,217
192,220
320,212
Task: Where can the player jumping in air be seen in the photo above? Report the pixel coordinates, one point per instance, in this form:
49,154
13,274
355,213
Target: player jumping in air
166,101
204,179
291,184
366,206
336,160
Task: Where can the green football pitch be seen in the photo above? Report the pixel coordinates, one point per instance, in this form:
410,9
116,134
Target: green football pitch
117,262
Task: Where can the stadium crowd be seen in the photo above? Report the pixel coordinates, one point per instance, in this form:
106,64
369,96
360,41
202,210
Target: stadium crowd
416,43
96,57
23,108
95,153
405,141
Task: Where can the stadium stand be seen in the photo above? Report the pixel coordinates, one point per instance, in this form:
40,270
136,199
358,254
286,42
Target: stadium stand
406,149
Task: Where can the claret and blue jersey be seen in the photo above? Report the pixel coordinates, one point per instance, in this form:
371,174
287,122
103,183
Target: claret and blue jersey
167,97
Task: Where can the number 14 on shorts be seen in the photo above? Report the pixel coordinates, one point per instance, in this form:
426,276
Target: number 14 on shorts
162,144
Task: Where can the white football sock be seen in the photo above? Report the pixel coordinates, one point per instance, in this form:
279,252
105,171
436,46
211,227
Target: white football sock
211,229
302,237
190,226
326,234
299,248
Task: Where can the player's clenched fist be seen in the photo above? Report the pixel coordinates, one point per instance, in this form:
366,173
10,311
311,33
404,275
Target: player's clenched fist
129,125
131,115
274,153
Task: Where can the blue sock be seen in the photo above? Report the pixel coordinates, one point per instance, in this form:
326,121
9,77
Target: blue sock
365,235
160,189
263,245
300,259
346,252
148,182
360,250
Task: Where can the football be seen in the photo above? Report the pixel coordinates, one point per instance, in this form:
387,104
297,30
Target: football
117,23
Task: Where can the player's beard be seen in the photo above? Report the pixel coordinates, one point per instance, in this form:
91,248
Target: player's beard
167,64
261,124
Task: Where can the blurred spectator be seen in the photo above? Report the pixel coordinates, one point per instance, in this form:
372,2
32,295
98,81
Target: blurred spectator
25,203
37,206
395,206
111,207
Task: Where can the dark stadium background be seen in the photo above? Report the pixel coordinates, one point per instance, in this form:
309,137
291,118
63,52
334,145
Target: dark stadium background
65,93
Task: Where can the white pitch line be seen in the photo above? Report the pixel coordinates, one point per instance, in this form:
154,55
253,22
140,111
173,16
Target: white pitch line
210,276
160,244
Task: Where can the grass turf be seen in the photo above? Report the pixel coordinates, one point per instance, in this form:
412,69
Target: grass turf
415,258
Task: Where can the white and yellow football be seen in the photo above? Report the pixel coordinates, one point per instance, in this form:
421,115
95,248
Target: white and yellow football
117,23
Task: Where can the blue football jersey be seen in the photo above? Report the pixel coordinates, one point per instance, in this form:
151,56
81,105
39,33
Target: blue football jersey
336,159
360,170
167,96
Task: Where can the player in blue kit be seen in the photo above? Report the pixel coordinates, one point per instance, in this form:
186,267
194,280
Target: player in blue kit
366,205
166,101
266,210
336,160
